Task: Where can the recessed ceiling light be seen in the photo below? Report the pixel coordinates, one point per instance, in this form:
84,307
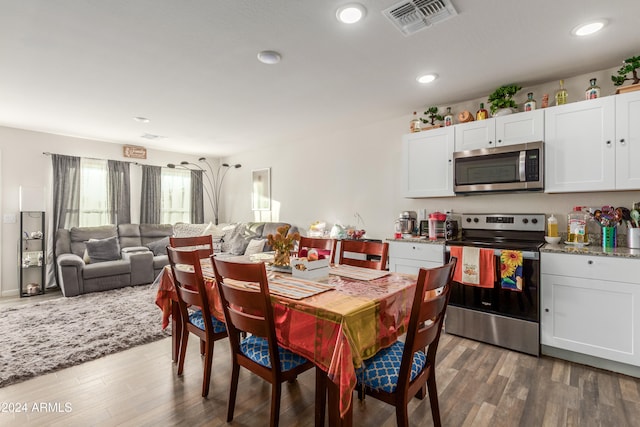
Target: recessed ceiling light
269,57
141,119
588,28
427,78
351,13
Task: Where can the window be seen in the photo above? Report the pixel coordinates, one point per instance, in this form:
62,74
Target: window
176,196
94,199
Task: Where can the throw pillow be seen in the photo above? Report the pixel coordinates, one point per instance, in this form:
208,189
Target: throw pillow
217,233
255,246
85,257
103,249
182,229
158,247
231,230
238,244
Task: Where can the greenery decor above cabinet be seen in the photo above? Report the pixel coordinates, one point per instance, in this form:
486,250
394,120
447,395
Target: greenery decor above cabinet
511,129
593,145
427,163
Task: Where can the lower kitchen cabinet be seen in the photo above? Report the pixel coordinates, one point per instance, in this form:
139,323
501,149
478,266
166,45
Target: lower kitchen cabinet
591,305
409,256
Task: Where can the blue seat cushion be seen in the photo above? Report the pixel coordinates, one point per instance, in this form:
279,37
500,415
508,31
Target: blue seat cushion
381,371
198,321
257,349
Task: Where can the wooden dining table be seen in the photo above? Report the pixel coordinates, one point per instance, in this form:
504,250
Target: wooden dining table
337,321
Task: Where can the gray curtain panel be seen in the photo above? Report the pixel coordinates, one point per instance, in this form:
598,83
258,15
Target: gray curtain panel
119,192
66,202
197,205
150,202
66,191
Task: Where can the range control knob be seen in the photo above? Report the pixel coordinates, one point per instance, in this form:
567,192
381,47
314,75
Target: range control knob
468,219
534,220
525,220
476,220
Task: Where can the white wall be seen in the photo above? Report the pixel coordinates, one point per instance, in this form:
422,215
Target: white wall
23,163
332,176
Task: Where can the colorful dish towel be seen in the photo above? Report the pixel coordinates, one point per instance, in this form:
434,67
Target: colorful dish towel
475,267
511,270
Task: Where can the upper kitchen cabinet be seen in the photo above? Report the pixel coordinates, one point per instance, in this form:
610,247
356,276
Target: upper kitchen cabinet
628,141
511,129
593,145
427,163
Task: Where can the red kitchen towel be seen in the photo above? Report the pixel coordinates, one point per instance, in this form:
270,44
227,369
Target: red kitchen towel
482,267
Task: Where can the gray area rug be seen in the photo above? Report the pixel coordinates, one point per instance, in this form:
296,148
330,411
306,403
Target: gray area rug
55,334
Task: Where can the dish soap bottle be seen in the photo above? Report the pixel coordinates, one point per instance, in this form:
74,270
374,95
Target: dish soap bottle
552,226
414,125
593,91
561,94
530,105
482,114
448,118
577,226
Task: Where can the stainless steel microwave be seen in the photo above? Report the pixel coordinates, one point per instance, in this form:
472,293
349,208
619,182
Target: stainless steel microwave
517,167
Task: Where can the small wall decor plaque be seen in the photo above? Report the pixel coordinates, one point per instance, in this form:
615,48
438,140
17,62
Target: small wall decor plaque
134,152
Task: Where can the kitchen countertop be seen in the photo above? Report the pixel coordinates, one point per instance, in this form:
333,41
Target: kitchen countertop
418,239
593,250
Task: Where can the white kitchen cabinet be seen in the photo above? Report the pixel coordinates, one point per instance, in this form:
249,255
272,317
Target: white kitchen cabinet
516,128
593,145
628,141
409,256
427,163
591,305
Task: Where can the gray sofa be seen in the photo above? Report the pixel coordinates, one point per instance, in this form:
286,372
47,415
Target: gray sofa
134,264
93,259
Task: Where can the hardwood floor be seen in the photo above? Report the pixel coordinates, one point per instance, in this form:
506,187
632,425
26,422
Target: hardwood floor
479,385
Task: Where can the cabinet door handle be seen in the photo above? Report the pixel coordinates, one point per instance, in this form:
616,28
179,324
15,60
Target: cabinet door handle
499,141
490,142
590,262
450,160
546,310
622,141
609,143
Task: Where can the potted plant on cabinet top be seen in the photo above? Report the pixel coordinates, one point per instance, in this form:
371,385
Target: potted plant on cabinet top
432,113
629,65
501,100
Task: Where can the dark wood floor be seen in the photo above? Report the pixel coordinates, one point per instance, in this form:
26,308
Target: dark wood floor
479,385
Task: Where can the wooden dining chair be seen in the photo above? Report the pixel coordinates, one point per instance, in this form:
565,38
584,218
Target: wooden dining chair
325,247
399,372
190,288
250,310
203,244
377,251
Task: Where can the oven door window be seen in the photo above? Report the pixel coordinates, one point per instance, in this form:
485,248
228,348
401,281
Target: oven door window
522,305
490,169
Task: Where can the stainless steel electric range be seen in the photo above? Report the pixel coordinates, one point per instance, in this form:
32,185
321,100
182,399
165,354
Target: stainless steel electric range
498,316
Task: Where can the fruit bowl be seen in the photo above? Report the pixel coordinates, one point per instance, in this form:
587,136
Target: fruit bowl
552,240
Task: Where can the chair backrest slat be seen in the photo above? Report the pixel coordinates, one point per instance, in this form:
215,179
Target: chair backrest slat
317,243
378,250
203,244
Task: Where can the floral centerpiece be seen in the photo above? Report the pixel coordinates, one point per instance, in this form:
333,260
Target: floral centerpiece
283,244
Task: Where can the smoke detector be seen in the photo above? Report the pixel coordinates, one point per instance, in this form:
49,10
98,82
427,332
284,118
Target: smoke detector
411,16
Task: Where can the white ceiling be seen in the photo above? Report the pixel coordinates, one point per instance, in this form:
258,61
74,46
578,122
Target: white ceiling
86,68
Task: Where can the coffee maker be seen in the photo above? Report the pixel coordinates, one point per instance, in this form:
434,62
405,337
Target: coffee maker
408,223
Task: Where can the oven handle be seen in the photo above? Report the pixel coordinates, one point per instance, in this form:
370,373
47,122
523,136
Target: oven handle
496,252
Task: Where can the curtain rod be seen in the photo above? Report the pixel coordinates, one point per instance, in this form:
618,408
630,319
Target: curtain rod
47,153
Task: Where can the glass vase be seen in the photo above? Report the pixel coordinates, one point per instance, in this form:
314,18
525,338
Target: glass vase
282,258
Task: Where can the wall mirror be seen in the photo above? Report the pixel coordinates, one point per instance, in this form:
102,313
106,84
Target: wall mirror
261,189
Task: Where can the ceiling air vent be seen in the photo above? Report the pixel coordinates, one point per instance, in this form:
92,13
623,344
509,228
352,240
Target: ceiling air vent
411,16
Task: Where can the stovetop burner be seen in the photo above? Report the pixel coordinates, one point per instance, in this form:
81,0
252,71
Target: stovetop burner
502,231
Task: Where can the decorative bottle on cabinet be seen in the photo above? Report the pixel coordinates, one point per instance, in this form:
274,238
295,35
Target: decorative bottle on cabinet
482,114
414,125
448,118
530,105
561,94
593,91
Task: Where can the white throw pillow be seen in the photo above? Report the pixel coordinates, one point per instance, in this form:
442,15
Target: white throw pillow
217,233
182,229
255,246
